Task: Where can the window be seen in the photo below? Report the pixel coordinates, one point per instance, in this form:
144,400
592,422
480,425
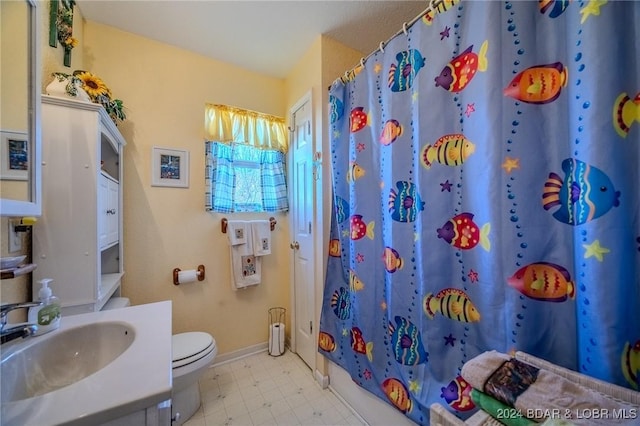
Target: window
245,161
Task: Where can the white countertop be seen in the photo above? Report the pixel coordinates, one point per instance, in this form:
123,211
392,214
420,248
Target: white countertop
137,379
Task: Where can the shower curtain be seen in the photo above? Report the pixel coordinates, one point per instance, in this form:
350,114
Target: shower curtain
487,196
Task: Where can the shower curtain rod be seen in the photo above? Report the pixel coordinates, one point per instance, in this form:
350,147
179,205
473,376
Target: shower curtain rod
434,5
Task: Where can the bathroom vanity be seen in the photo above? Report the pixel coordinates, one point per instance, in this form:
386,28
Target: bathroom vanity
103,368
78,241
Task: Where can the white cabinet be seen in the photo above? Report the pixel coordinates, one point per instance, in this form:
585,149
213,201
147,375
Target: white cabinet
78,240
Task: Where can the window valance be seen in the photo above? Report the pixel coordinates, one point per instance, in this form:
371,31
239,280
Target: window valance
229,124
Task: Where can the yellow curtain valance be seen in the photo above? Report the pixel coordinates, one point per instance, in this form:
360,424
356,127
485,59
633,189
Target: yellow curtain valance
227,124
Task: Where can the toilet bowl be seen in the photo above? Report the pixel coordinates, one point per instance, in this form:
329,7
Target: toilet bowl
192,353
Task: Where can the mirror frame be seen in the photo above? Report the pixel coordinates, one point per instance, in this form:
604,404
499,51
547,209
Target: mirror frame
34,206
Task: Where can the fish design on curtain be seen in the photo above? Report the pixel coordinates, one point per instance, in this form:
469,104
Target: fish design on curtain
486,196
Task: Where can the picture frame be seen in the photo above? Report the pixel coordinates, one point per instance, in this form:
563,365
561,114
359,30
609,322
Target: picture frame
14,153
169,167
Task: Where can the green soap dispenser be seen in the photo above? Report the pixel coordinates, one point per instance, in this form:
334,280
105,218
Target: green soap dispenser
47,315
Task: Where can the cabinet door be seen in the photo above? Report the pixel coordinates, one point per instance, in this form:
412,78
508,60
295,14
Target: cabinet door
103,202
108,212
113,212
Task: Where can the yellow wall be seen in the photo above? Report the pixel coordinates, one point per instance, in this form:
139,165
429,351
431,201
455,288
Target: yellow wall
13,66
164,90
14,82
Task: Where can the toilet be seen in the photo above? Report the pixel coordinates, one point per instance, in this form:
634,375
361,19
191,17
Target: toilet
192,353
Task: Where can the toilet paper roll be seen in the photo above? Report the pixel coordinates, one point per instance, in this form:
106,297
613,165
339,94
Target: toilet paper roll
276,339
187,276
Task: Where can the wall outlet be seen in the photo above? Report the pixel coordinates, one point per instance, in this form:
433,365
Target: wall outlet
15,238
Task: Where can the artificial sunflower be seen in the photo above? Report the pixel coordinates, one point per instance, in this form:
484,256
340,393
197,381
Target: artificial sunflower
70,42
93,85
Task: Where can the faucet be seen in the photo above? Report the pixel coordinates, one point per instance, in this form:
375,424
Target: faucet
23,330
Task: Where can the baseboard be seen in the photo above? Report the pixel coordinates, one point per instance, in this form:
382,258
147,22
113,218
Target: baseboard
240,353
322,380
346,403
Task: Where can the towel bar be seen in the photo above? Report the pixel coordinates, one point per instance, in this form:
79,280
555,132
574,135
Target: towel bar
224,222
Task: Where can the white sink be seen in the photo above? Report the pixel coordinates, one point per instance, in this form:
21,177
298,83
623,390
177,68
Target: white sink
54,361
96,368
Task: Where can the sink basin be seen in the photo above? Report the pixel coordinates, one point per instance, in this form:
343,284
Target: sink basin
98,367
59,359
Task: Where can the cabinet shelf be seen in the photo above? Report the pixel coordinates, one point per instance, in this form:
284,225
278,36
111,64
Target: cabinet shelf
109,283
16,272
109,176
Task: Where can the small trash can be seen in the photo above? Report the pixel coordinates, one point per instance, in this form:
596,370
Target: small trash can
276,331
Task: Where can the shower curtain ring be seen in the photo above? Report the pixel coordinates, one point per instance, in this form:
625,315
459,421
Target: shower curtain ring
404,28
382,46
362,62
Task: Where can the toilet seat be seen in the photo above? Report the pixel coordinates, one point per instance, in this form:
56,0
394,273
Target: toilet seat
191,347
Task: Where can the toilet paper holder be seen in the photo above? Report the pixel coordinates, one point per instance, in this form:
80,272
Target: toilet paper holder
199,273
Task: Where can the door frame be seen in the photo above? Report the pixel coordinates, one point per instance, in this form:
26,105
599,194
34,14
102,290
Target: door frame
306,98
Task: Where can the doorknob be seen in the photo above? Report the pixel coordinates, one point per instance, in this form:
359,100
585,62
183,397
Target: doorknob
294,245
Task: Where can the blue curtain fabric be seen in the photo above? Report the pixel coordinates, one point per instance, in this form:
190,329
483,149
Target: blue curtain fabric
242,178
486,196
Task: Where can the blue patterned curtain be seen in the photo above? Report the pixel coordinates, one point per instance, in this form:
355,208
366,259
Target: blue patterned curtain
486,193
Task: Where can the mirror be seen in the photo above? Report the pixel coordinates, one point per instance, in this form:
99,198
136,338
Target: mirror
20,89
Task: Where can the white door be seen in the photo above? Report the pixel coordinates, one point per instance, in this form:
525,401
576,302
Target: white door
302,234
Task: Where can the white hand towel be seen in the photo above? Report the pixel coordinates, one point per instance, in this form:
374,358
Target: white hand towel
246,268
237,232
261,235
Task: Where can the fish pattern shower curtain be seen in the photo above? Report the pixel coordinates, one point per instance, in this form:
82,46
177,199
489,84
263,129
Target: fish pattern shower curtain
487,196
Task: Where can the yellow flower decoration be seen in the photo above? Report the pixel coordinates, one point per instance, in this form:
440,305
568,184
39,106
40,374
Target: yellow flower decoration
70,42
93,85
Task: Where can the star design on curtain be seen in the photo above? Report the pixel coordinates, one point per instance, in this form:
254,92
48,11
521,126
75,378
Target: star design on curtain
596,250
592,8
470,108
449,340
444,33
510,164
414,386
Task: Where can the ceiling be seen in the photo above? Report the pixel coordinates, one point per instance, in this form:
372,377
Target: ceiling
265,36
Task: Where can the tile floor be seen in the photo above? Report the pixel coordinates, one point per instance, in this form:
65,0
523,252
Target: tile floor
265,390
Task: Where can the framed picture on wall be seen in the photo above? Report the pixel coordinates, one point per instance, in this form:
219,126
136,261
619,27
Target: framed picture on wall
169,167
15,156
